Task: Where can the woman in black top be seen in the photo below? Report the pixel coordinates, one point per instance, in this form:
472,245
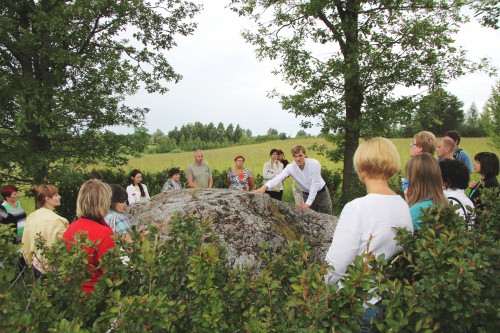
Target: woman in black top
486,164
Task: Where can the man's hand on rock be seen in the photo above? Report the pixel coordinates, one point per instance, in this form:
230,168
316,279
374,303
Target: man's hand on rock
261,189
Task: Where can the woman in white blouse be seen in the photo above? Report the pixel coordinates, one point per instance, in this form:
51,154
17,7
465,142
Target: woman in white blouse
369,220
137,192
271,169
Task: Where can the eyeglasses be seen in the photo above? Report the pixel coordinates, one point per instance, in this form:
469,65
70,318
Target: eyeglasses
412,144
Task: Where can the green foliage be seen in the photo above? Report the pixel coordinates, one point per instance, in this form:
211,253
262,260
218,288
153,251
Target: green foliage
66,68
472,126
491,116
487,12
219,178
199,136
439,112
444,280
140,139
344,60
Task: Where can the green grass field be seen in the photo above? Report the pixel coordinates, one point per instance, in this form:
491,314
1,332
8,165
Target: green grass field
257,154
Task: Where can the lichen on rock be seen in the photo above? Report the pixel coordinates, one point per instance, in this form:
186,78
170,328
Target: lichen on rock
242,220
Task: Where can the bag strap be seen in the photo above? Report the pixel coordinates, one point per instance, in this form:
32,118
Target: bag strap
463,208
112,222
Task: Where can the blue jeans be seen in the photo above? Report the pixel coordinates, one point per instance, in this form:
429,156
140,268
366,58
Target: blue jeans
370,313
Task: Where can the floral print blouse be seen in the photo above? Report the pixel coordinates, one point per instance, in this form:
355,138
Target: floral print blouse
239,181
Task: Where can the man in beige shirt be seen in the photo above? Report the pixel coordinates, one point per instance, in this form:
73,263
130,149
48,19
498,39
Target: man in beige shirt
198,173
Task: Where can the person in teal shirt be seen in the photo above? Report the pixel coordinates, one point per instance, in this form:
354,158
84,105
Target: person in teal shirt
425,187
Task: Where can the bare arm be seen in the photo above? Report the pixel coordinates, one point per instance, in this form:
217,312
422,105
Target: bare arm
192,184
261,189
251,183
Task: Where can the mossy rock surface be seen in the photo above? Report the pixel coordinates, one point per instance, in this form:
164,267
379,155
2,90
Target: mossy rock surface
242,220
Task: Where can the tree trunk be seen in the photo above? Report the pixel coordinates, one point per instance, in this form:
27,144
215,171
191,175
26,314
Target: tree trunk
37,103
353,94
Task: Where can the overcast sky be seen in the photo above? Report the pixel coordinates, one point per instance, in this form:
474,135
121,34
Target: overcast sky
224,82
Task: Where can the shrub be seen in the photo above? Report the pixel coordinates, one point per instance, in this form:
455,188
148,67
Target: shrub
444,280
446,277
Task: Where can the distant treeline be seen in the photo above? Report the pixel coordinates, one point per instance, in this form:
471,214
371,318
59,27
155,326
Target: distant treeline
198,135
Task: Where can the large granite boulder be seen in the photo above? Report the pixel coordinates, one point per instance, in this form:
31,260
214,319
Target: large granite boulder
242,220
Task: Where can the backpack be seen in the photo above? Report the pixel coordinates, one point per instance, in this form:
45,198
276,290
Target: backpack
456,153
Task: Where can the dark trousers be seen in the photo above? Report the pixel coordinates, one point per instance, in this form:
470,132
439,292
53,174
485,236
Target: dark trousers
322,203
275,195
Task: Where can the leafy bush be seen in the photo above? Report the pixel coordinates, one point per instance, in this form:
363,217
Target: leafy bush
444,280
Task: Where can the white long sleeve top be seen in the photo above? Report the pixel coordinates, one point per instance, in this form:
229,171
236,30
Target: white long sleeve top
373,215
134,194
309,179
269,172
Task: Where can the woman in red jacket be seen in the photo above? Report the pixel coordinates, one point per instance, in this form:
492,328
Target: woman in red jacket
94,199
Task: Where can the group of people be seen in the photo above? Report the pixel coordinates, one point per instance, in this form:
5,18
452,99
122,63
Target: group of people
365,223
306,172
100,209
431,182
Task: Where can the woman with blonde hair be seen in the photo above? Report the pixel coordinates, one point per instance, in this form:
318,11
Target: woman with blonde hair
92,205
42,222
425,187
367,224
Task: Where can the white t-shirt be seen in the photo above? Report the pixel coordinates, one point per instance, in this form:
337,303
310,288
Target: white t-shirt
459,194
372,215
134,194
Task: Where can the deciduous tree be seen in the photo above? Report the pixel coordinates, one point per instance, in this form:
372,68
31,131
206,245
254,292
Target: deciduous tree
440,112
65,69
491,115
344,59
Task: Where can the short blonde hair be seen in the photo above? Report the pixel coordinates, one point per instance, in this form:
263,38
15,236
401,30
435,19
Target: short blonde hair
448,142
426,141
298,149
94,200
378,157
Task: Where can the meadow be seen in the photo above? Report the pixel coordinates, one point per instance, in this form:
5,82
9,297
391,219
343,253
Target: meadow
257,154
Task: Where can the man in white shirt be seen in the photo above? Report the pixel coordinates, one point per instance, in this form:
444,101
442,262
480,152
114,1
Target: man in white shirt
307,174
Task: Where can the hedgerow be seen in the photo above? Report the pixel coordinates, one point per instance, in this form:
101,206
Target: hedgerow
444,280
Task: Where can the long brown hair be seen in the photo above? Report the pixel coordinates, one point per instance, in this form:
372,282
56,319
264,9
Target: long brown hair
425,182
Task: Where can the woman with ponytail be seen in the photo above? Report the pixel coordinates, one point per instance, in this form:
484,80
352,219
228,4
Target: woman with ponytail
42,222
